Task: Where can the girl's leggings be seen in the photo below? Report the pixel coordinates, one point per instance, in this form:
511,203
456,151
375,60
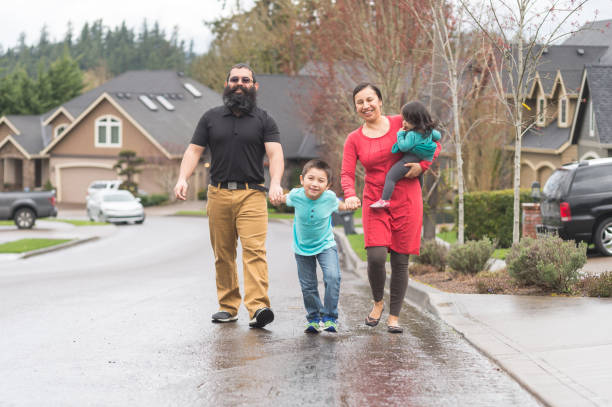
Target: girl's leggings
397,172
377,256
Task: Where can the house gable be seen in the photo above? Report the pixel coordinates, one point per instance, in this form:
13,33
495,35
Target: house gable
7,128
59,121
80,138
9,148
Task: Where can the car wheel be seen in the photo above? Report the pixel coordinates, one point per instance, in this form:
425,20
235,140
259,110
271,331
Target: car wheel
101,217
90,216
603,237
25,218
140,222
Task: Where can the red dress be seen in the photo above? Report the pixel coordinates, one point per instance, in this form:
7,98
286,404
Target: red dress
398,227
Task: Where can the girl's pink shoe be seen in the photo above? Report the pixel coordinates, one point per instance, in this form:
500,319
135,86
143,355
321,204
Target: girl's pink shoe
381,203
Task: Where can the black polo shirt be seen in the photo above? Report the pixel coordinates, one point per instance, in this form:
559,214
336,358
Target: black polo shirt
236,143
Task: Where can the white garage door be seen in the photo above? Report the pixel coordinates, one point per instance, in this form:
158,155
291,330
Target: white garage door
75,180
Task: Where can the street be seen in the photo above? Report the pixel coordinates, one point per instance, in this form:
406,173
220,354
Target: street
125,320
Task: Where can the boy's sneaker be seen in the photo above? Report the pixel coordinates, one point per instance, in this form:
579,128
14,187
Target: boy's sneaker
380,204
313,327
330,325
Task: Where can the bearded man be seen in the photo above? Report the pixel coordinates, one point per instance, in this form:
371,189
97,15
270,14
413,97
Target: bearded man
238,135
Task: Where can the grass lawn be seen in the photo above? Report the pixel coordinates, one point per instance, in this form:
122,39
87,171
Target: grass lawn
451,237
76,222
356,242
7,223
26,245
190,213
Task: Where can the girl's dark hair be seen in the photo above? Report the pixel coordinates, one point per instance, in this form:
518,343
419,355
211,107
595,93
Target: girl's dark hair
416,114
364,85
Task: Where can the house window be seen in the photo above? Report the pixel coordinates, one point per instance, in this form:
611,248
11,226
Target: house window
591,120
563,112
108,132
541,112
60,129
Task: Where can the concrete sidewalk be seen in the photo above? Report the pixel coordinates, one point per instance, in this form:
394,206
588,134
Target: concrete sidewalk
559,348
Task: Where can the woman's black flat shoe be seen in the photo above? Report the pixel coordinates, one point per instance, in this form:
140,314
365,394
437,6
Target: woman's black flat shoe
369,321
395,329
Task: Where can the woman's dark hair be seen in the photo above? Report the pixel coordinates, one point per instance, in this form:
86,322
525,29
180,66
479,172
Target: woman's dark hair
364,85
416,114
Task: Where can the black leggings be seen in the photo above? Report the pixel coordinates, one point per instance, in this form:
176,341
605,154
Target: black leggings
377,256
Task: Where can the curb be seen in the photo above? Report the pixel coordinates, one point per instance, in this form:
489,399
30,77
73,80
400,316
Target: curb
57,247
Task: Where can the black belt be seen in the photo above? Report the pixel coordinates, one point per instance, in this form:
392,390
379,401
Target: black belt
241,185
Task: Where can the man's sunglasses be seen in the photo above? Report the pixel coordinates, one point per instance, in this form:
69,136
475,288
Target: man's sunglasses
245,79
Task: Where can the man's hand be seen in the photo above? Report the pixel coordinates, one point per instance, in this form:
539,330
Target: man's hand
415,170
352,203
275,194
180,189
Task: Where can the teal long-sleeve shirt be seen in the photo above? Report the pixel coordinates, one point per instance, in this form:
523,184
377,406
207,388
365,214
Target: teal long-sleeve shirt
413,142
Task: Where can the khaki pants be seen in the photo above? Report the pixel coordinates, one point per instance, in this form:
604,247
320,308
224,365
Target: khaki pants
243,214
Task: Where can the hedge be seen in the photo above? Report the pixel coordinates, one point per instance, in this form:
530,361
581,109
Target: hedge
489,214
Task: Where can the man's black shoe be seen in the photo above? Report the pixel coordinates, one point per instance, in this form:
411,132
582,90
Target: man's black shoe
223,316
262,317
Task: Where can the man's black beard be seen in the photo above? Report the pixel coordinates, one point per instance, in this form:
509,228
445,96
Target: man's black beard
242,102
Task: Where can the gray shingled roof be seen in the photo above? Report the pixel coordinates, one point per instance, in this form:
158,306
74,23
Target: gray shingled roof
595,33
287,100
550,137
172,129
570,61
600,87
33,136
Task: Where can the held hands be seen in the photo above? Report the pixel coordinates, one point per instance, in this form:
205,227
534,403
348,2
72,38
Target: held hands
414,171
352,203
275,194
180,189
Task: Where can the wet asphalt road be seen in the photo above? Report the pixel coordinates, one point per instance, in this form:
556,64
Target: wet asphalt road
125,321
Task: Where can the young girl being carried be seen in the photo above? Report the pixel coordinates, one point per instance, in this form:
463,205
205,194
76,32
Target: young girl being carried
416,140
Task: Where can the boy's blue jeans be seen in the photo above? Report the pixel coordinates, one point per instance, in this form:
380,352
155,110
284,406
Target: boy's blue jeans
307,273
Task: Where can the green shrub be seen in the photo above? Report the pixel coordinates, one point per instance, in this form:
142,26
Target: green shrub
203,194
417,269
433,254
490,214
597,285
548,262
154,199
48,186
488,282
471,257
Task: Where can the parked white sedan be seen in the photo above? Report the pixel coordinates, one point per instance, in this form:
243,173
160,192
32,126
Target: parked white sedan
115,207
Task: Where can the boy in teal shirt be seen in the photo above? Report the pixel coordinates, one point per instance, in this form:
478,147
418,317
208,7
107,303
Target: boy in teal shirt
313,240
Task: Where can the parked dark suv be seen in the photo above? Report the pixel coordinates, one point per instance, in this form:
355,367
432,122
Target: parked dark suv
577,203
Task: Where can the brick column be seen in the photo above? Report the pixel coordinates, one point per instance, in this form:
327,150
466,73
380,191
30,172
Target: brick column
28,172
531,217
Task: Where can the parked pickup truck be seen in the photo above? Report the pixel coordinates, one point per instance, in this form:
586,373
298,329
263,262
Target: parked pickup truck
25,207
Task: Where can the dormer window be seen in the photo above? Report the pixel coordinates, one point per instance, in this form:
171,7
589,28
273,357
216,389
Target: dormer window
541,111
563,112
108,132
59,130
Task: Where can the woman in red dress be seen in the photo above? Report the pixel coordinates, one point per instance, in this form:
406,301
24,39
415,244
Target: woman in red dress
398,229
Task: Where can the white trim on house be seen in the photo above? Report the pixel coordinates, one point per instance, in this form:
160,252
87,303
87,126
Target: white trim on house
17,146
543,164
108,122
56,113
82,164
541,109
589,155
10,125
563,111
592,124
106,96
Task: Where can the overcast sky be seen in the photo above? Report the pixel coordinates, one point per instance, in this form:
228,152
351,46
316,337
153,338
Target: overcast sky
30,15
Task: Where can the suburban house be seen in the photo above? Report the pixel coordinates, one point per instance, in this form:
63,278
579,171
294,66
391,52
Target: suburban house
569,112
153,113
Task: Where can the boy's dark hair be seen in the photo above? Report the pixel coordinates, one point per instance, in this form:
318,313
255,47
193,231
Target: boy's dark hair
320,165
416,114
238,66
364,85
